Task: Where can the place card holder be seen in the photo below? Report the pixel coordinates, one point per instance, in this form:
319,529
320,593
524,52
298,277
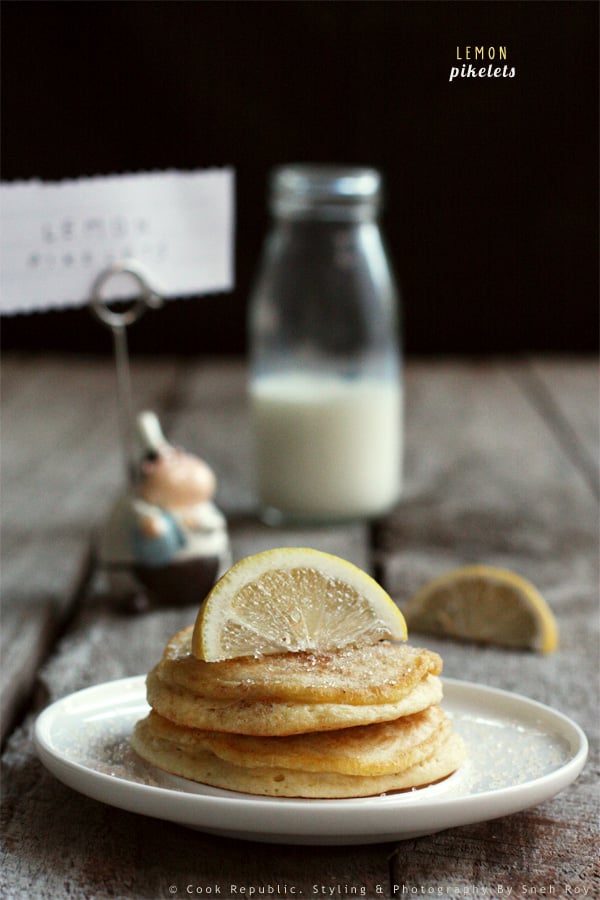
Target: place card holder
117,321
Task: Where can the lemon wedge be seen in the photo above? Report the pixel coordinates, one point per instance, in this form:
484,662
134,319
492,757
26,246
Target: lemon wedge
293,599
485,604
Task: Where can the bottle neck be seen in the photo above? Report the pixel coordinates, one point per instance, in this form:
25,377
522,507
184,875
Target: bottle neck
325,192
287,210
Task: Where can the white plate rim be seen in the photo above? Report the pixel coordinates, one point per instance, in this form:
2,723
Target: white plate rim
286,820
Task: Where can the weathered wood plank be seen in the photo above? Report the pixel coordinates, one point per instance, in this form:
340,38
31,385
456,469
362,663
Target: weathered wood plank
61,465
535,852
60,443
488,481
575,385
33,614
567,394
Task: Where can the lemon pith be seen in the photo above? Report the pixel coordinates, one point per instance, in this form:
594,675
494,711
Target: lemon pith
486,604
293,599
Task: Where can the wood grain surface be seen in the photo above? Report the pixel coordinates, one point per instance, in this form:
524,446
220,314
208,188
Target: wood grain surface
501,467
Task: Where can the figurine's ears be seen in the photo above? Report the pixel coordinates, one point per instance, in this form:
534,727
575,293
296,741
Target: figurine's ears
150,435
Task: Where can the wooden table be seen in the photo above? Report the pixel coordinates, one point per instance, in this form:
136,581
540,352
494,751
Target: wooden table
501,467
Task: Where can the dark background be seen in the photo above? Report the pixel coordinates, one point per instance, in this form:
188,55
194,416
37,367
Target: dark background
492,213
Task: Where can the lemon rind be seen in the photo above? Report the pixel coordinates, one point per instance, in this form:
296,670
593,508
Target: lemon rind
546,638
253,567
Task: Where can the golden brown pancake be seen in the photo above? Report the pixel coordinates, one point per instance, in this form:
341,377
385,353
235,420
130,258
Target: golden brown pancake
381,749
266,717
413,756
370,673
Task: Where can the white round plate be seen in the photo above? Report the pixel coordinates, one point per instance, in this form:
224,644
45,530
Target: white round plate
519,753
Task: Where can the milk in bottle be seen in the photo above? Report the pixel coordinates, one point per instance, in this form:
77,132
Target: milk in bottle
325,368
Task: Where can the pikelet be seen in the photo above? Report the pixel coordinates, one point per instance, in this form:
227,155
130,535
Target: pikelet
357,717
290,693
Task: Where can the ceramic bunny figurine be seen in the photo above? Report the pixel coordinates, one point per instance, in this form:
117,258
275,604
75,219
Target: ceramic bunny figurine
167,530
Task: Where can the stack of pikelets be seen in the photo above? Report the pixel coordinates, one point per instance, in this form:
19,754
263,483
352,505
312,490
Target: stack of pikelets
353,722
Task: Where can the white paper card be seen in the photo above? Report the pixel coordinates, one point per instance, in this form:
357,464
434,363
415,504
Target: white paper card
57,237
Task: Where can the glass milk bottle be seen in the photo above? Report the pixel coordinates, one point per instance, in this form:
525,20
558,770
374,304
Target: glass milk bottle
325,368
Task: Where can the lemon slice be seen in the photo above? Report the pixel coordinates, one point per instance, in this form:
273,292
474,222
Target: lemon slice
293,599
482,603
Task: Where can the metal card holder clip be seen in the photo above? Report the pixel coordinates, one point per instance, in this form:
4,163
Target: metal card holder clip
118,321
